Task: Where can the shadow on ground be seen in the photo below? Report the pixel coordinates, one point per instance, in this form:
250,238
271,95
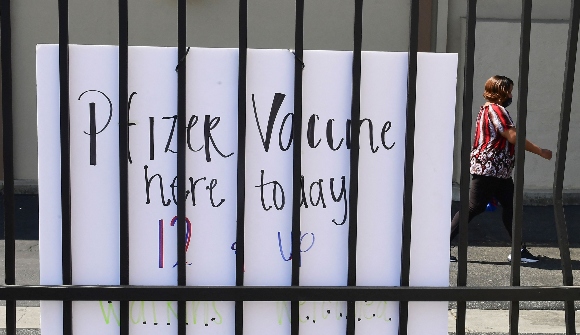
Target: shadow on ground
25,216
544,263
539,228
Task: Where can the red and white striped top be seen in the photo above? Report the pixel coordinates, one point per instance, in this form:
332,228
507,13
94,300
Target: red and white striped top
492,154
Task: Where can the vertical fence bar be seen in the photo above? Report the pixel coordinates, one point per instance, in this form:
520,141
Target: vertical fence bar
354,161
564,130
241,181
181,178
409,158
465,151
123,159
520,157
8,152
297,159
65,159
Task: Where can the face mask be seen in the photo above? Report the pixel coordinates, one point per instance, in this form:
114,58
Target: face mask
507,102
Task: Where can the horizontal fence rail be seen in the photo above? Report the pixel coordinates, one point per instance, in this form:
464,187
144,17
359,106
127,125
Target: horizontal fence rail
288,293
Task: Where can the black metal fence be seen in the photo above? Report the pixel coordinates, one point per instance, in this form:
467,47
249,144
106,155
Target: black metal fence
295,293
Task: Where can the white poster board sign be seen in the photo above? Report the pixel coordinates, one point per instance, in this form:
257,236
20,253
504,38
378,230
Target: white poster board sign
211,159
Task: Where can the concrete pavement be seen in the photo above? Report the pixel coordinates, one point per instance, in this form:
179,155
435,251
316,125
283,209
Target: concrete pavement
26,317
497,322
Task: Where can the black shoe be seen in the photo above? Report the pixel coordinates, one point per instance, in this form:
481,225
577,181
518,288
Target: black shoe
452,259
527,256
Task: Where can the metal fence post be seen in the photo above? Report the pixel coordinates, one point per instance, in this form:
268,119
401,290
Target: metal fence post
8,160
465,152
564,129
409,159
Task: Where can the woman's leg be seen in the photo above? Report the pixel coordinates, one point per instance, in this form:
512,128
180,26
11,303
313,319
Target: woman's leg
480,193
505,195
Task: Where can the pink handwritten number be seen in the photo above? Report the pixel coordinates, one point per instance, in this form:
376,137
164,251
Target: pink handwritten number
172,224
161,243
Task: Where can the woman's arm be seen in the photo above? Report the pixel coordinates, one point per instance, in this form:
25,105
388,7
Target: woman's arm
510,135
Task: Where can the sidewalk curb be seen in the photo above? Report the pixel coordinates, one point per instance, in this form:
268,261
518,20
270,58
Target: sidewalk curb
22,186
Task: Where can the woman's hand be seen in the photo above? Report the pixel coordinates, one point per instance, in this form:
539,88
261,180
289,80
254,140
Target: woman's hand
546,153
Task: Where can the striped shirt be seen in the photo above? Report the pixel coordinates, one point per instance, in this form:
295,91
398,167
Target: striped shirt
492,154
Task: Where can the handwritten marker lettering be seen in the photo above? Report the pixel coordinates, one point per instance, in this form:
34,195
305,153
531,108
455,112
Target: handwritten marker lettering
209,125
210,186
129,125
301,249
93,134
93,125
276,104
151,138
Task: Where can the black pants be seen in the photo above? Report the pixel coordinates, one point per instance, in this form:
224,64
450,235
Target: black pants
482,190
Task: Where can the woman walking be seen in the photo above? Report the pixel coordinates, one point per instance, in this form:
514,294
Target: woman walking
492,158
